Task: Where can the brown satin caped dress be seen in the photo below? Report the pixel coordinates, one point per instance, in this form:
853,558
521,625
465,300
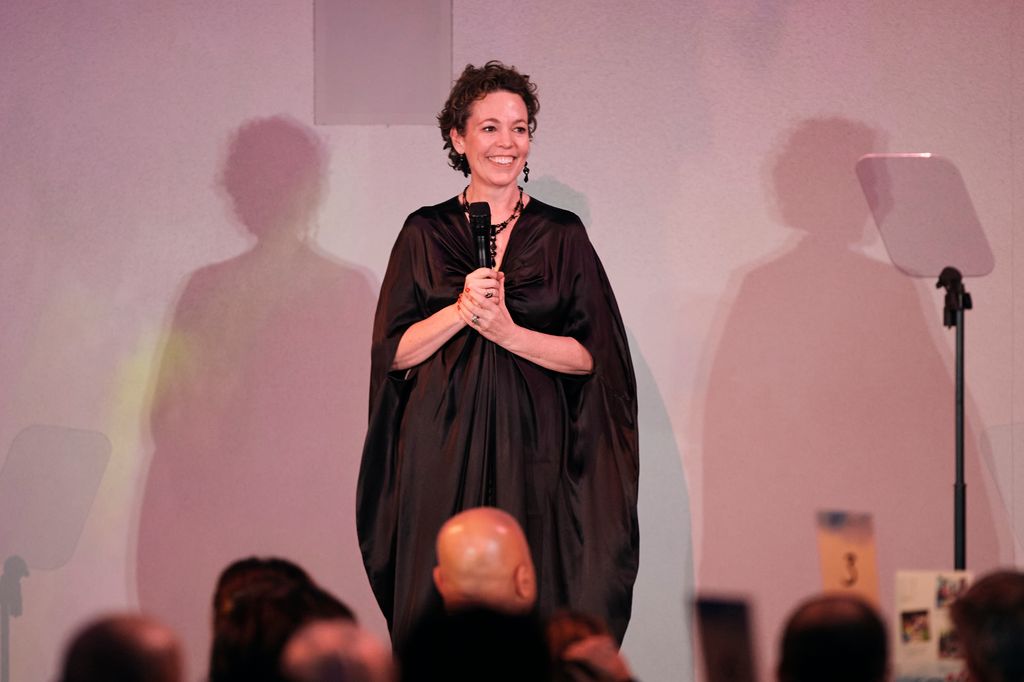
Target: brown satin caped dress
477,425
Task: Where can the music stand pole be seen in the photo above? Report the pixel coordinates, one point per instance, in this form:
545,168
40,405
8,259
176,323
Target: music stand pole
957,301
927,220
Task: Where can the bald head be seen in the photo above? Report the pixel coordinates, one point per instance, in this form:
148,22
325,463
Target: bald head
483,559
336,651
124,647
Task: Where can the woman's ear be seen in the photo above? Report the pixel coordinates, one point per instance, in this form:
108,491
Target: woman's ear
458,144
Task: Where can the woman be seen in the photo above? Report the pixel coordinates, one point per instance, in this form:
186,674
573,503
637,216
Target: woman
509,386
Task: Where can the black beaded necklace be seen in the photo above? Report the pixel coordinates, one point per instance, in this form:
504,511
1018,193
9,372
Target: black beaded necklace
496,229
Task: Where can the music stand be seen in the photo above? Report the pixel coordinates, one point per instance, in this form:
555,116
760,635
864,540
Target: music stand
47,486
930,229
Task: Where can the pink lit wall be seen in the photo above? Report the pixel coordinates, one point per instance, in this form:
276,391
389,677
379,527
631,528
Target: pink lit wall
783,364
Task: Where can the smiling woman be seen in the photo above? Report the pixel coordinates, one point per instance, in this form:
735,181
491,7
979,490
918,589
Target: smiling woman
495,142
509,386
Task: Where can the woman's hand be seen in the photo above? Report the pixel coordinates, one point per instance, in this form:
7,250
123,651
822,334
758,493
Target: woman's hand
482,305
600,654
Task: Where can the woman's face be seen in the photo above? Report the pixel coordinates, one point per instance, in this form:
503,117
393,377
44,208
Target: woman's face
496,140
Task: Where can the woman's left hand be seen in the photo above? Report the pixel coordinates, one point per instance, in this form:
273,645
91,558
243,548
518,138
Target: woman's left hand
489,316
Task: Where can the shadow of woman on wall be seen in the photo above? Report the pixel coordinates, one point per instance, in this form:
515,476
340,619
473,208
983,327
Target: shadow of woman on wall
259,408
827,390
657,642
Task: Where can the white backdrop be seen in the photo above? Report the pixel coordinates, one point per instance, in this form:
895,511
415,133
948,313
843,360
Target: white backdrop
783,365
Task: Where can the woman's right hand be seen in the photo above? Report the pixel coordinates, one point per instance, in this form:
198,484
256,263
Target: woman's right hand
482,286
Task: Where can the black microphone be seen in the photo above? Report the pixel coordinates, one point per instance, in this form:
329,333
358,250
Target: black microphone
480,223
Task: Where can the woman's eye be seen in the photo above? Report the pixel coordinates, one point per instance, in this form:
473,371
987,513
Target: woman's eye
488,129
520,129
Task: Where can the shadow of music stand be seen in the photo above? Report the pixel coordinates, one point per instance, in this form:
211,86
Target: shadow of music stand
930,229
47,486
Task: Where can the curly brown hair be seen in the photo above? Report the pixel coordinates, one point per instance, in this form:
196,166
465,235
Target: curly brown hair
476,83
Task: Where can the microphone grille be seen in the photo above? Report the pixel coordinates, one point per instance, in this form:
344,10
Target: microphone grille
480,209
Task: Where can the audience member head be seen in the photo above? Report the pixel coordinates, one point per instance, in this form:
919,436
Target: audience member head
125,647
253,574
989,620
258,605
472,644
336,651
582,649
834,637
483,559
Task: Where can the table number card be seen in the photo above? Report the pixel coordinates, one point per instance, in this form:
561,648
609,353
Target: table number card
846,549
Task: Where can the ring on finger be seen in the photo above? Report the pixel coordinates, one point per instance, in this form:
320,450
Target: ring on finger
475,319
489,294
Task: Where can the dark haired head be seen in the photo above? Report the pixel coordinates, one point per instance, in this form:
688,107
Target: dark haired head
834,637
476,83
989,620
253,574
258,605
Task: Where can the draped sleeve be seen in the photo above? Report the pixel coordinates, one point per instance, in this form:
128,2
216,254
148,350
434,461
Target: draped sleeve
400,305
601,470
